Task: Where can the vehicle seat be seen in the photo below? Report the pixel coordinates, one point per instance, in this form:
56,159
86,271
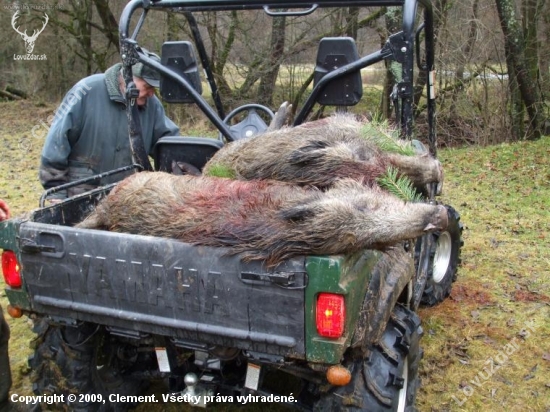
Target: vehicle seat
189,153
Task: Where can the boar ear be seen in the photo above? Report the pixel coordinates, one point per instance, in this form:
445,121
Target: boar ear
309,153
297,213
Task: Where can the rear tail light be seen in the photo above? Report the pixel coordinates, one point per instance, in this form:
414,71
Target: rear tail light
10,269
330,315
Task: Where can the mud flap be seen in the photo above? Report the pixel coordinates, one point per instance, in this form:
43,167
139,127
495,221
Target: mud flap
390,277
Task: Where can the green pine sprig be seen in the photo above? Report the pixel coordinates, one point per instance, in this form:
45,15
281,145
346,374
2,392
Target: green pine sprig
400,186
386,138
220,170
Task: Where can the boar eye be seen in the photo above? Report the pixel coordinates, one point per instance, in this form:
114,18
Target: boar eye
363,208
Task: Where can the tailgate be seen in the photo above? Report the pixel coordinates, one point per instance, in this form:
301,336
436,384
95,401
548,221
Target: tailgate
166,287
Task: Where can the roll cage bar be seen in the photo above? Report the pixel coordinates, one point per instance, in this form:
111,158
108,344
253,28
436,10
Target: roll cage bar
400,47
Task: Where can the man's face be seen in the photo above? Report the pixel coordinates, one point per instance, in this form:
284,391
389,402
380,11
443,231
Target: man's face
145,91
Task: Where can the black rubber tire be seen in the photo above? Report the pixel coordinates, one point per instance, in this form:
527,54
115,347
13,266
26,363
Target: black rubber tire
378,381
71,360
439,285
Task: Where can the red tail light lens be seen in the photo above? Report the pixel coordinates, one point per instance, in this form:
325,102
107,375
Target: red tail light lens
10,269
330,315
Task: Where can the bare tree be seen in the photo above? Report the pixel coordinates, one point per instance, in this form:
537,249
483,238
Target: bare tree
277,46
544,57
467,50
77,19
110,26
519,69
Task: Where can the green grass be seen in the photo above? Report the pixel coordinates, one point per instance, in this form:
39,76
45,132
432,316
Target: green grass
503,195
20,188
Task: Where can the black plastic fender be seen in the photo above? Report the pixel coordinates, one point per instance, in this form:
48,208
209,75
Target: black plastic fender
390,276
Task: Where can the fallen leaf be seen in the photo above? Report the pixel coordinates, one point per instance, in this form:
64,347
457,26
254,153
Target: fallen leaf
488,341
524,333
531,373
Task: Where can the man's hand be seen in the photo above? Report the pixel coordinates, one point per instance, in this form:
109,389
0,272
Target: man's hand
4,211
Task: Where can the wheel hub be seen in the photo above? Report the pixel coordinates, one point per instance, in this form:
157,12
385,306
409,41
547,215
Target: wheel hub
442,256
402,403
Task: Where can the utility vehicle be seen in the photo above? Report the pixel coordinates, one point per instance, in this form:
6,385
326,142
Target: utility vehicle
116,311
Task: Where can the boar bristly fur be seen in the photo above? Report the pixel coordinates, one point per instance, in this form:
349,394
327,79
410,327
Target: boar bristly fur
263,220
320,153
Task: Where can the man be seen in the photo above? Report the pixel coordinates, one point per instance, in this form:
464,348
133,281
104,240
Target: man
89,134
5,372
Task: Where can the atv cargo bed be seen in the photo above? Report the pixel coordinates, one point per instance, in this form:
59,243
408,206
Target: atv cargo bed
166,287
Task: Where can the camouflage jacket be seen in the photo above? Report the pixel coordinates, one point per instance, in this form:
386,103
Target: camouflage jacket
89,132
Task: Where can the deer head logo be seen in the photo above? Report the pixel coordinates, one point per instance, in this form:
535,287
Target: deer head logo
29,40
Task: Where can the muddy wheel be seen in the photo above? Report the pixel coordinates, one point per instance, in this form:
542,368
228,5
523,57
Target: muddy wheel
387,380
444,260
82,361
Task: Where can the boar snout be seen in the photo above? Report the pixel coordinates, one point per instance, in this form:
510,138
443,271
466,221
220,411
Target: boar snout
439,221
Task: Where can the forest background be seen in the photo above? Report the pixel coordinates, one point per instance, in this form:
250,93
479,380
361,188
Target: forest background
492,58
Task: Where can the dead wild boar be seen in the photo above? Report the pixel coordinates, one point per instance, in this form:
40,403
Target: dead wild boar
263,220
321,152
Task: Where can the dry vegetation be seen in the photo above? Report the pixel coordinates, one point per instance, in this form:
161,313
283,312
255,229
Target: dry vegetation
486,347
